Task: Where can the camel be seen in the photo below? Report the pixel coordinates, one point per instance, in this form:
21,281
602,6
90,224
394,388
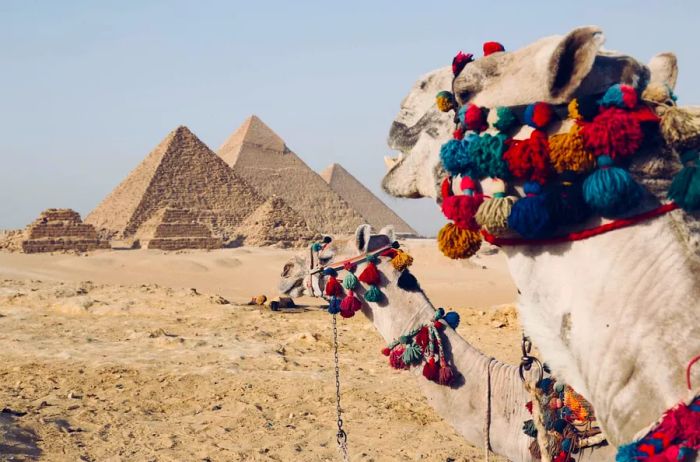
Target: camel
464,406
616,315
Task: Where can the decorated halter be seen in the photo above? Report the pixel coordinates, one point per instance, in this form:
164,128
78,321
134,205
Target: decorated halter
567,177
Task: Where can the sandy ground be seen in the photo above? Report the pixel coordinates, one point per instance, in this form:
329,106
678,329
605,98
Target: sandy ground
113,356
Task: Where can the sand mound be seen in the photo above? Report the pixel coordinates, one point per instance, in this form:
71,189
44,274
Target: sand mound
275,223
60,230
181,172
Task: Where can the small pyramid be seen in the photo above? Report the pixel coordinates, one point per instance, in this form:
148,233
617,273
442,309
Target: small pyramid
181,173
60,230
275,223
261,158
177,229
377,213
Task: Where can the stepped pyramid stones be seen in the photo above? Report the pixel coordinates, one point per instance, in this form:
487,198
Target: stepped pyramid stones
177,229
275,223
262,159
180,173
60,230
364,201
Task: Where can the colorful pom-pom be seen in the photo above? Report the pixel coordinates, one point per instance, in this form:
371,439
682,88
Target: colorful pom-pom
452,319
349,266
475,118
370,275
462,208
401,260
422,337
458,134
373,294
685,187
566,201
572,107
486,154
528,159
334,305
412,354
330,272
614,132
350,281
611,190
567,152
538,115
446,375
350,304
386,351
492,47
459,61
316,247
494,211
445,101
455,242
505,119
431,371
621,96
395,358
530,216
333,287
455,156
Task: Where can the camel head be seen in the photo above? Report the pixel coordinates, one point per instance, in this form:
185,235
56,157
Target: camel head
296,280
554,70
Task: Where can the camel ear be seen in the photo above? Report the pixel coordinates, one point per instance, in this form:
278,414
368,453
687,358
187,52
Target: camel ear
362,236
389,232
664,69
572,60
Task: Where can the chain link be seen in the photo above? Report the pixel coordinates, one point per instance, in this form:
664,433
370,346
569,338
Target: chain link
341,436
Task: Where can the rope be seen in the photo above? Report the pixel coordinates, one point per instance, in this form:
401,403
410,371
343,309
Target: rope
487,426
687,371
586,233
538,420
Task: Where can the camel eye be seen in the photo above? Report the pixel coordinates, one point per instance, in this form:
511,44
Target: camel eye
287,268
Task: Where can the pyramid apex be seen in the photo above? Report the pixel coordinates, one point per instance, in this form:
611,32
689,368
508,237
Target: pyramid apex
254,133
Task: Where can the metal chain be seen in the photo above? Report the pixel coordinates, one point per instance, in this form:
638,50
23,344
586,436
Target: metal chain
341,437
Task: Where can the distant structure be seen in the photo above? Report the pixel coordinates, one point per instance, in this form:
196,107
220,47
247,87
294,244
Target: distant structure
177,229
60,230
180,173
275,223
263,160
364,201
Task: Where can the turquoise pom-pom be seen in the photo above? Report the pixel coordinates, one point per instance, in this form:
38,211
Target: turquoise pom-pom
412,354
439,313
373,294
505,119
627,453
486,154
685,188
622,96
611,190
455,156
530,216
452,319
350,281
334,305
316,247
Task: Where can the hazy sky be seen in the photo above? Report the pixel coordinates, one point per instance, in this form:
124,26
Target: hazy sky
88,88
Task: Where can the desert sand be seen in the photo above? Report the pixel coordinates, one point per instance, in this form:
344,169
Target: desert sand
144,355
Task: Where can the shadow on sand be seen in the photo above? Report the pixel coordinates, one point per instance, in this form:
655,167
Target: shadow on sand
17,443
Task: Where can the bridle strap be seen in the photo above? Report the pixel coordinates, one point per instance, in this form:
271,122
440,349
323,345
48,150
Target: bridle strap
356,259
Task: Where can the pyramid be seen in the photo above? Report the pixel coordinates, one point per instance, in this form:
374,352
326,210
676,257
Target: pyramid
364,201
275,223
177,229
60,230
182,173
261,158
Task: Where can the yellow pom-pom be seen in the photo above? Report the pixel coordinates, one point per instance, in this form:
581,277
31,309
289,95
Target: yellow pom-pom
573,110
493,213
445,101
401,260
566,151
456,243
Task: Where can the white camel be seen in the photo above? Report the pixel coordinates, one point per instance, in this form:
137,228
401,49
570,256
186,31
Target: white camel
616,315
465,406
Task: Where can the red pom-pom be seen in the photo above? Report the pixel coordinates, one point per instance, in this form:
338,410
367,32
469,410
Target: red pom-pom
614,132
629,96
467,183
349,266
561,457
350,304
459,61
347,314
395,358
538,115
370,275
446,375
475,118
386,351
492,47
422,338
438,325
529,159
431,371
333,287
460,209
458,134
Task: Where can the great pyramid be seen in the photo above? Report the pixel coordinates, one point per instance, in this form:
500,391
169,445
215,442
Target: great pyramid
275,223
182,173
176,229
262,159
60,230
361,199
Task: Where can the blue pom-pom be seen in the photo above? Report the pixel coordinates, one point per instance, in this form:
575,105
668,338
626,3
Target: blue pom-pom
455,156
334,305
530,216
330,272
611,190
316,247
452,319
622,96
566,445
627,453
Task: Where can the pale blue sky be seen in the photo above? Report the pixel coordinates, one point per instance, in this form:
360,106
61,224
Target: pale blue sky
88,88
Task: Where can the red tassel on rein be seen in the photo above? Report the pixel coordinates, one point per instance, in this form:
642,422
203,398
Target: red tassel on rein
386,351
333,288
431,370
422,338
350,303
446,374
529,159
395,358
370,275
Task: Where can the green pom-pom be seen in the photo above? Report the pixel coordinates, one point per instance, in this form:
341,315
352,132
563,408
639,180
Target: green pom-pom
685,188
529,428
445,101
439,313
350,281
412,354
404,339
316,247
505,119
373,294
